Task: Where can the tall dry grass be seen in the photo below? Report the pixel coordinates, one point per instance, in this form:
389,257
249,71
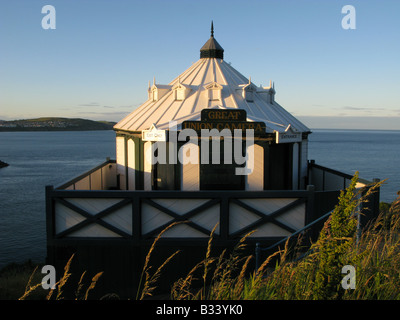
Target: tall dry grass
150,280
375,254
60,284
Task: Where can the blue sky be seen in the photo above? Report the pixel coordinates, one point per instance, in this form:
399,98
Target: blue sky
97,63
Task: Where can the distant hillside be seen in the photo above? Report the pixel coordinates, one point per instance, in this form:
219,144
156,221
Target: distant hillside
55,124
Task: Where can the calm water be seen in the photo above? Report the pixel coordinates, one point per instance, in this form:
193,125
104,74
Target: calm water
38,159
374,154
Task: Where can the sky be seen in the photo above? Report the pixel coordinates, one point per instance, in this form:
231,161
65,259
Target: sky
98,61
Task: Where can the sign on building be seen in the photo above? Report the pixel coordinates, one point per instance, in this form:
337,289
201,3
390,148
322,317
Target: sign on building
289,136
153,134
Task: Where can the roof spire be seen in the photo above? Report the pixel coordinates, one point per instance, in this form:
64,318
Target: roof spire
212,49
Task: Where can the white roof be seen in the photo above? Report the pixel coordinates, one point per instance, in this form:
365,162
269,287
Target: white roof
197,80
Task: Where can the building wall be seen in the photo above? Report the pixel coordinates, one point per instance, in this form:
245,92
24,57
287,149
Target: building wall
121,161
276,166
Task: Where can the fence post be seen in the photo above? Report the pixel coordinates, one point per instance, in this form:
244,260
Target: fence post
258,252
370,207
49,225
310,215
136,216
224,217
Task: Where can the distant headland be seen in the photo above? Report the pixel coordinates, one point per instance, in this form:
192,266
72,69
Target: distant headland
3,164
55,124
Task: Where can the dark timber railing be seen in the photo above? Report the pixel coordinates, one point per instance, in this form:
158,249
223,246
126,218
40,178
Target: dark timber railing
64,204
111,230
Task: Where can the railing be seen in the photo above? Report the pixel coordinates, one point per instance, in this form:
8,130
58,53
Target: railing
112,230
327,179
102,177
273,247
85,207
328,183
141,215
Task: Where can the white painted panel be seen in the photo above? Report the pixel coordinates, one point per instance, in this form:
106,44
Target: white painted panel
93,230
121,219
120,154
93,205
268,206
295,217
65,218
183,231
190,178
109,173
131,164
208,218
270,230
147,166
83,184
295,167
153,218
95,180
240,218
180,206
255,180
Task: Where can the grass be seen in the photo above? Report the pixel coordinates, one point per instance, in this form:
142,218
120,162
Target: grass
14,278
24,282
375,256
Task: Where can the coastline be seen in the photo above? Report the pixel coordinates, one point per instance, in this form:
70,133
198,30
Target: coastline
54,124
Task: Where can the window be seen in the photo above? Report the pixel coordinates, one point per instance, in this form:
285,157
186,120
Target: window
214,91
248,95
179,94
155,95
214,94
220,176
181,91
165,176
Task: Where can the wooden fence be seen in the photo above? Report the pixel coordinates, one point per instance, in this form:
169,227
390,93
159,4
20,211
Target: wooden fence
112,230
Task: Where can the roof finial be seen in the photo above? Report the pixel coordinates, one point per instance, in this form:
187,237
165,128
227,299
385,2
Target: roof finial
212,29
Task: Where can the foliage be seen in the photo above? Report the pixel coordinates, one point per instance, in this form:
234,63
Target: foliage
375,254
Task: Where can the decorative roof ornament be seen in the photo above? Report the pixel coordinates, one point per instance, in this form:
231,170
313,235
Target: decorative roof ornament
212,49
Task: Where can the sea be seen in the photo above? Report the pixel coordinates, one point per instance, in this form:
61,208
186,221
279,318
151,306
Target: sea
38,159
